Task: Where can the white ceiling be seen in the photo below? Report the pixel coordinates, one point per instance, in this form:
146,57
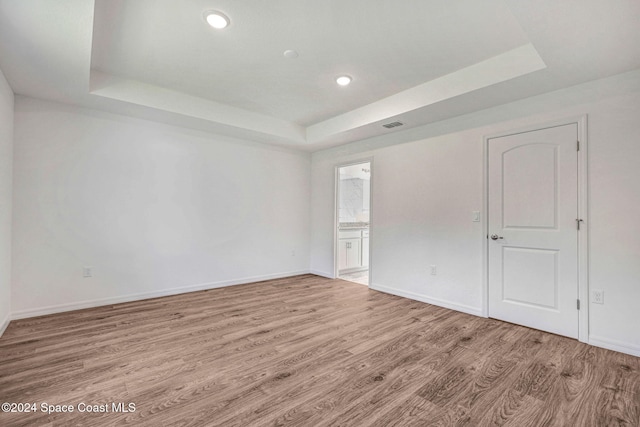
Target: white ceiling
414,61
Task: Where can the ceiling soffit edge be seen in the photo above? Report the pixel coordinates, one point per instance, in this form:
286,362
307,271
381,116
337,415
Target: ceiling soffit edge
509,65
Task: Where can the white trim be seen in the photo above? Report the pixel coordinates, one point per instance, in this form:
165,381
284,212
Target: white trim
540,126
583,213
371,216
583,235
336,212
5,324
614,345
475,311
22,314
485,227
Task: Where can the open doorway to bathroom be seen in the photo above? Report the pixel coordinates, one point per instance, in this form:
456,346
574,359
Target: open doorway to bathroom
353,201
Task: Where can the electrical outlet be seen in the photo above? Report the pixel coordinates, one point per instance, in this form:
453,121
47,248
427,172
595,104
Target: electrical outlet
434,270
597,296
87,271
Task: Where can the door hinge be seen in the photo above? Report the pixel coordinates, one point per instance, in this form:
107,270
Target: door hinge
578,221
578,145
578,301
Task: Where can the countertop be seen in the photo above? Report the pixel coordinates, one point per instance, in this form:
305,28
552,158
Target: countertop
352,225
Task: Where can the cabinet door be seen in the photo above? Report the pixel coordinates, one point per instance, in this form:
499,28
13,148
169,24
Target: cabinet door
353,253
365,252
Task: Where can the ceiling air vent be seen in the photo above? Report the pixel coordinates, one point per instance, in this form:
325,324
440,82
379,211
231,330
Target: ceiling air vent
392,125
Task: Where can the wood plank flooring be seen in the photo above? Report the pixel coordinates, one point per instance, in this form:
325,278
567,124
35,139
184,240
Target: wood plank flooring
307,351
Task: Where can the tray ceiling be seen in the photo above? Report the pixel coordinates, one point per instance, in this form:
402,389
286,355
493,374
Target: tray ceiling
412,61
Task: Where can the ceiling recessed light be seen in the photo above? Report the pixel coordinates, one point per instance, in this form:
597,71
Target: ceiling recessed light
217,20
291,54
343,80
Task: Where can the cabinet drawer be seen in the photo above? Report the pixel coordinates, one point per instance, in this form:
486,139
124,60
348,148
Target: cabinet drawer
349,234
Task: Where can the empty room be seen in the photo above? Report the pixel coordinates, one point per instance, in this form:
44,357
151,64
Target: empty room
329,213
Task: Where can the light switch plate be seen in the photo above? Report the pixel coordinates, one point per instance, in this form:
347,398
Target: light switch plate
476,216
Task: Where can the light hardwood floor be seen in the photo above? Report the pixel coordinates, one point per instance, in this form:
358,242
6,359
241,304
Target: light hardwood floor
308,351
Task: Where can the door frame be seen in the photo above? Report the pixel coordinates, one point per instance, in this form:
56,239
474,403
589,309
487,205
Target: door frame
336,211
583,213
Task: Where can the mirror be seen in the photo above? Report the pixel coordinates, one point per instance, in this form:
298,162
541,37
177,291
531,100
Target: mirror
355,193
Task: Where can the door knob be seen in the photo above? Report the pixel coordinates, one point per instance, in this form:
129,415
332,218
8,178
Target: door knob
496,237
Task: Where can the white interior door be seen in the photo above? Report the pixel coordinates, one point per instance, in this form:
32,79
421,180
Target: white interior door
533,240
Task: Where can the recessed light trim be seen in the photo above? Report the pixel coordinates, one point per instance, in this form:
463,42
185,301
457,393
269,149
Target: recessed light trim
216,19
344,80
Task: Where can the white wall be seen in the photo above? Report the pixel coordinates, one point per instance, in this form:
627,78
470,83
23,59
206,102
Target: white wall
428,180
154,209
6,166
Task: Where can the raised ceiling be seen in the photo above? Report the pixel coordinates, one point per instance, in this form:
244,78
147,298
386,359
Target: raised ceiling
413,61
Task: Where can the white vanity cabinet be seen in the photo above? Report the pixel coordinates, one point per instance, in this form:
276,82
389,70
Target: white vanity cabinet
353,252
349,254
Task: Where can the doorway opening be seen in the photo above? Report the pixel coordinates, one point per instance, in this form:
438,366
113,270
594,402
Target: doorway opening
353,202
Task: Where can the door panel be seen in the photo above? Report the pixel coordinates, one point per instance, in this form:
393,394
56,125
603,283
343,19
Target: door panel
530,276
533,204
531,170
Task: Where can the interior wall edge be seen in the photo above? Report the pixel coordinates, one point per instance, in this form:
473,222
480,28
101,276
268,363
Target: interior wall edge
322,274
7,119
4,324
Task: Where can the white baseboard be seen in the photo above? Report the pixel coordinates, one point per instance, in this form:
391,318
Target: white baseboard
614,345
52,309
609,344
4,324
597,341
434,301
322,274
